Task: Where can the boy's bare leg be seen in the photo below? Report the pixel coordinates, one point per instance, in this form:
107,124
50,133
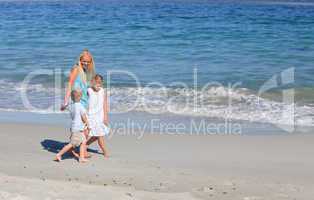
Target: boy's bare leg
102,145
76,155
82,158
86,131
65,149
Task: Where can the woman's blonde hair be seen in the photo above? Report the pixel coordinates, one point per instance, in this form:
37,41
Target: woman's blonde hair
88,75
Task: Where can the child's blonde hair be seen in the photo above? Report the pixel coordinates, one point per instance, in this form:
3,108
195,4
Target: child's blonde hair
76,95
99,76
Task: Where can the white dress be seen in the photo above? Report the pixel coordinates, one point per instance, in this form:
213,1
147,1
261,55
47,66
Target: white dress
96,113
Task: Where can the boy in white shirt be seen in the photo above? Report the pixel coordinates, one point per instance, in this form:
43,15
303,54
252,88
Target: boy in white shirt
78,132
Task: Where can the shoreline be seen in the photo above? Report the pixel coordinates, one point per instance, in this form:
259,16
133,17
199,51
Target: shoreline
235,167
140,123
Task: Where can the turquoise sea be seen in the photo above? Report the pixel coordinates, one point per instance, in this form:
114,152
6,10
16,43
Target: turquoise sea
185,55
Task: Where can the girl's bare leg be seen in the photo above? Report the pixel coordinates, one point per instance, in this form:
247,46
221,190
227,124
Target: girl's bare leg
65,149
91,140
86,131
102,145
82,158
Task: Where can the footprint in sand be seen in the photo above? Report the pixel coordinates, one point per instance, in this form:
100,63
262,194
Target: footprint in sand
208,190
129,194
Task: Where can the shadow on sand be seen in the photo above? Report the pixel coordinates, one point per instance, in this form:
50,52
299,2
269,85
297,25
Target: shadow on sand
55,146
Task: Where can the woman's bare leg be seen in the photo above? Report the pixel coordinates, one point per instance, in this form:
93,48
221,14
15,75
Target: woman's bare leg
102,145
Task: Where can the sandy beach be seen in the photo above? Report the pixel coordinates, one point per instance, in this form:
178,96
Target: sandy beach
156,167
208,100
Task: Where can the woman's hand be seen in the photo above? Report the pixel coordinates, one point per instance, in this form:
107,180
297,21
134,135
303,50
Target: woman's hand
63,106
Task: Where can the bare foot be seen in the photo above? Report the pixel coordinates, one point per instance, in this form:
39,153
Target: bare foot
106,155
57,158
83,160
88,155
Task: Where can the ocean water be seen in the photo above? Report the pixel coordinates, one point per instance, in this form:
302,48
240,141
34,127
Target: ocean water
190,57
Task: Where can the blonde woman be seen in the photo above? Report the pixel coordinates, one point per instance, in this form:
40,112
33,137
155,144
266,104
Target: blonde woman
80,78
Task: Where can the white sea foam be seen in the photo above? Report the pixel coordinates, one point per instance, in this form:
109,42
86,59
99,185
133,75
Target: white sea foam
240,104
218,102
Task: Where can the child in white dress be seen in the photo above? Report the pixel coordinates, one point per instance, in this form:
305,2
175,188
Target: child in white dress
98,114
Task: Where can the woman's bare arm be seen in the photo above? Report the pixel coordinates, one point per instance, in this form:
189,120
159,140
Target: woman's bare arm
72,78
